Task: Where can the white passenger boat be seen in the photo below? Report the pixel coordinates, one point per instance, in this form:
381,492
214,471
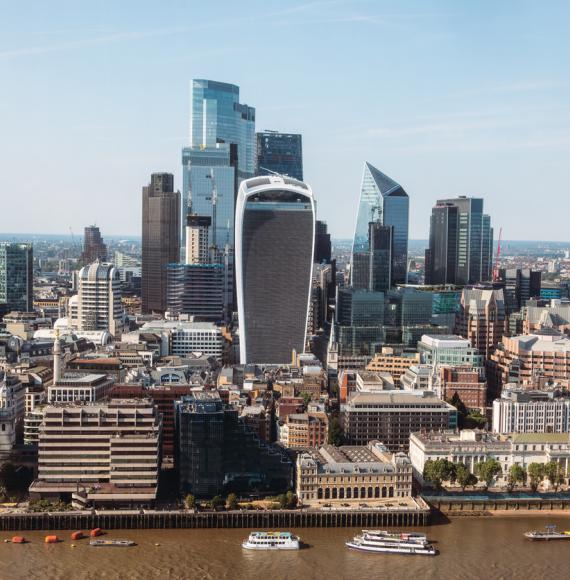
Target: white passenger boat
384,542
549,533
271,541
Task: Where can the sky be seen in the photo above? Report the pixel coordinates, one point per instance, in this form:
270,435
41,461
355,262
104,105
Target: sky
446,97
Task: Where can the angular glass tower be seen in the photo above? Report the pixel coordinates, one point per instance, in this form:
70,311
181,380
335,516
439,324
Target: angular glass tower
275,236
217,116
385,201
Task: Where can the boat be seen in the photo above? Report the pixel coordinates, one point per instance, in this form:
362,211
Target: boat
385,542
115,543
271,541
549,533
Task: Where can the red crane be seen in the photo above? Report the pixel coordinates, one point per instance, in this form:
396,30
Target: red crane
496,266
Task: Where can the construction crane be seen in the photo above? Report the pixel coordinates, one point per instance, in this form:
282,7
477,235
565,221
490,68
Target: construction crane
496,266
214,199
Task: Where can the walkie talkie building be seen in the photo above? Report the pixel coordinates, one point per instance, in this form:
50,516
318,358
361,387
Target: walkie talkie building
275,233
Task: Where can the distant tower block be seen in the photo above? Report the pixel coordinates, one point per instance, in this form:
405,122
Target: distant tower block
197,239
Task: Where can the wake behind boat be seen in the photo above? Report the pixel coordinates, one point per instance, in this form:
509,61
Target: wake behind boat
271,541
549,533
386,542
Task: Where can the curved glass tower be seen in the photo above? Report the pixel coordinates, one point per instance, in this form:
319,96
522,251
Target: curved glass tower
275,233
384,201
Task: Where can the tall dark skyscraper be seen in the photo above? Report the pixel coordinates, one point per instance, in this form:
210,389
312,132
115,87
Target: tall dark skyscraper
372,269
279,153
275,234
460,243
384,201
93,246
323,248
16,277
160,239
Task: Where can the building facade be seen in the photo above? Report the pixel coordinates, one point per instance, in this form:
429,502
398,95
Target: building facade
275,233
300,430
94,248
160,239
16,277
280,153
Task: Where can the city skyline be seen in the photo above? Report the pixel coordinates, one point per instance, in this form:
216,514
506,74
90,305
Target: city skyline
486,119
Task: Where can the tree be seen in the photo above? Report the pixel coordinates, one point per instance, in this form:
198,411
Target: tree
282,501
461,409
217,502
15,479
307,398
535,474
336,436
232,501
439,470
555,474
291,499
190,501
516,474
463,476
486,471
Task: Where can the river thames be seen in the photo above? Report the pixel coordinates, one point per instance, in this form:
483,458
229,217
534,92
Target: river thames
485,547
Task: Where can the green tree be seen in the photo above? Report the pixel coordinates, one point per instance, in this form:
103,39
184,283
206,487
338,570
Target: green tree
307,398
516,474
474,420
555,474
463,476
291,500
217,502
535,475
282,501
336,436
461,409
232,501
486,471
15,479
190,501
439,470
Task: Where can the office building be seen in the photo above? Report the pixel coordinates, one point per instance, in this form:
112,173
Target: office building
519,410
280,153
94,247
384,201
387,361
466,383
373,269
449,350
460,243
555,316
366,473
99,304
519,285
323,247
198,239
217,116
482,318
275,234
160,239
79,387
216,453
391,415
301,430
196,290
100,453
523,359
16,277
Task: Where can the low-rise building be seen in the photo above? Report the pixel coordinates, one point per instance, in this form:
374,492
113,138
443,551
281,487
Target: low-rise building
390,417
396,365
335,474
100,453
466,382
300,430
73,387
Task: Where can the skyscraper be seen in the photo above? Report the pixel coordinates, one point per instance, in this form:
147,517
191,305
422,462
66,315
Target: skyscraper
198,238
217,116
372,269
385,201
16,277
279,153
275,233
460,243
160,238
93,246
323,248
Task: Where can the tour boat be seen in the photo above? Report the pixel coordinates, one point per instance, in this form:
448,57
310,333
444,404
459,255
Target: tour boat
271,541
116,543
549,533
392,543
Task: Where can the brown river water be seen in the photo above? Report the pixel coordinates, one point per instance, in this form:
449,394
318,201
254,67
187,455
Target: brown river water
469,548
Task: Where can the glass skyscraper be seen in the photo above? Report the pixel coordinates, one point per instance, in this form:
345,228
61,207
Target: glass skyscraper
16,277
279,153
460,243
275,235
385,201
217,116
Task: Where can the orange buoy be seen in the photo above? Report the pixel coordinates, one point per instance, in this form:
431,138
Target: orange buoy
95,532
51,539
18,540
77,535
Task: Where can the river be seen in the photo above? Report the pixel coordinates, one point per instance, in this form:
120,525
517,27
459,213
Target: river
485,547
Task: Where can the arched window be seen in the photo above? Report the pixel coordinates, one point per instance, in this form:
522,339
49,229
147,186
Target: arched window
320,493
334,493
384,491
348,493
355,494
376,492
341,493
327,493
362,492
391,492
370,492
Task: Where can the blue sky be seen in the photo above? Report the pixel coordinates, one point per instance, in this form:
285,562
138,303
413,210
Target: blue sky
446,97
